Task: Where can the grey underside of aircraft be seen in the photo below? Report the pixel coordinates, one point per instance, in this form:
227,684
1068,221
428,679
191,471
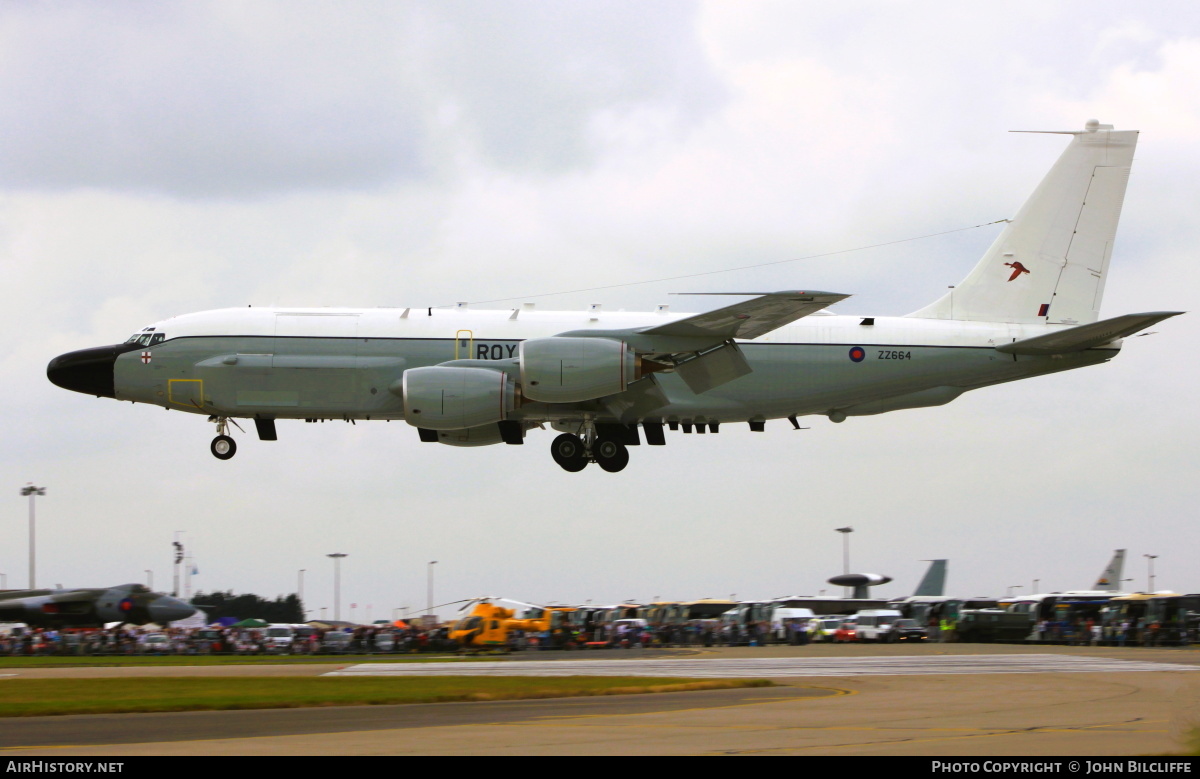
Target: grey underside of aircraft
346,378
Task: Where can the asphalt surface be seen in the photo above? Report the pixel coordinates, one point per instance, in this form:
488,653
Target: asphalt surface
775,667
845,700
200,725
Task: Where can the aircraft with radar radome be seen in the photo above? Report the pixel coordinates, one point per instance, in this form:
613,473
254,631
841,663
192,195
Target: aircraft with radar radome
607,380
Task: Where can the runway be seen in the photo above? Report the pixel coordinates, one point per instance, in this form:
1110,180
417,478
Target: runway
197,725
951,700
774,667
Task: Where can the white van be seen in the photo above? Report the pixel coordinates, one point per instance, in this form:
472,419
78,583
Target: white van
278,638
783,617
876,624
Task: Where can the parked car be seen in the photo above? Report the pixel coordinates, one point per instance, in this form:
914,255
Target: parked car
632,628
154,644
826,627
846,632
335,642
279,638
211,640
908,630
302,640
875,624
385,641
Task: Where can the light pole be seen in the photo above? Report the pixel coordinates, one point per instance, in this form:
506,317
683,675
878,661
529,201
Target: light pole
1011,588
845,531
300,589
1035,589
32,492
337,584
1150,569
177,546
149,579
429,590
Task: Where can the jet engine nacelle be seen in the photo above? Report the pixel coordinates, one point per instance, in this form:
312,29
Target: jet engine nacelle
452,398
484,435
570,370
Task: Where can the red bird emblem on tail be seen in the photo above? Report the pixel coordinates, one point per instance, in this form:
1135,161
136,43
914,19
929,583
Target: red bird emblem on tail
1017,267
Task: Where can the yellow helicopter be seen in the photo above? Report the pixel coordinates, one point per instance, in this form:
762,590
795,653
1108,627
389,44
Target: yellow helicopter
486,625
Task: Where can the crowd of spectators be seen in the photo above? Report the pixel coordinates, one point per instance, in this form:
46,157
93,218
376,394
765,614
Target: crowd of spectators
1085,632
128,640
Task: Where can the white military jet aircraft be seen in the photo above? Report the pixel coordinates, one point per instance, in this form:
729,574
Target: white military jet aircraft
471,377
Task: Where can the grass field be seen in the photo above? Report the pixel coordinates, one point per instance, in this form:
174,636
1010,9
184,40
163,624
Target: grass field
84,661
40,697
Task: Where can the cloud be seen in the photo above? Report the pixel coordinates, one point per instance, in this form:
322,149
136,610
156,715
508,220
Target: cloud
228,99
185,157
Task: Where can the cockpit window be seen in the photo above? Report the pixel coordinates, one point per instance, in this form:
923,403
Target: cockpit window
147,337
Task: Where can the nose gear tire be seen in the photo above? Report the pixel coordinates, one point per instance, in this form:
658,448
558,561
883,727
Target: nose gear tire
223,447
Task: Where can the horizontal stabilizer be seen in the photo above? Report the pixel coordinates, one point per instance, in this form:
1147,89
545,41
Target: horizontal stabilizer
750,318
1076,339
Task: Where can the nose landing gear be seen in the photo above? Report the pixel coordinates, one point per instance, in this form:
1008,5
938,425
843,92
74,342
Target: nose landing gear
223,447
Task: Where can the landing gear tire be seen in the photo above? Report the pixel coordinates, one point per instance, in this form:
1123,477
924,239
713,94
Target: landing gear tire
568,451
223,447
610,455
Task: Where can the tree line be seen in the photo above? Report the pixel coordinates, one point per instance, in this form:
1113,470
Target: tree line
284,608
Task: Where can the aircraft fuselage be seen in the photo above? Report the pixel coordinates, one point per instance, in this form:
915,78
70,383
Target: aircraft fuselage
345,363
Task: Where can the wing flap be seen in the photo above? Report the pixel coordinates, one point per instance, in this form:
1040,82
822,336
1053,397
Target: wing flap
1076,339
713,368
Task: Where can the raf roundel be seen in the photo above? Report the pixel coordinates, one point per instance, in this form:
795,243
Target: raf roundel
857,354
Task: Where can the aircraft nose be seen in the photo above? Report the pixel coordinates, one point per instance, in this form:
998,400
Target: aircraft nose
89,371
164,609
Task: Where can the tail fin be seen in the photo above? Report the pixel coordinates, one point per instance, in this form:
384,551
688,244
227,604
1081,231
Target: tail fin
934,580
1110,579
1050,263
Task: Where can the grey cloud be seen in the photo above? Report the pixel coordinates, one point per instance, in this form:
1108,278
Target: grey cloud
216,99
529,77
201,100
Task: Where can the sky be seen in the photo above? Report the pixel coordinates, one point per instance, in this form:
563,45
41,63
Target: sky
158,159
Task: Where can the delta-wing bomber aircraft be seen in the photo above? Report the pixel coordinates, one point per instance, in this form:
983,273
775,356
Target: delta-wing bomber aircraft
132,604
472,377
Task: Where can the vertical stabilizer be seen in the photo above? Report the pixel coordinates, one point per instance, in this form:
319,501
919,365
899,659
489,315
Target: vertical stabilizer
934,580
1050,263
1110,579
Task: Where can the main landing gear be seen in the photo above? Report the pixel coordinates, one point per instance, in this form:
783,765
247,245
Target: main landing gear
573,452
222,447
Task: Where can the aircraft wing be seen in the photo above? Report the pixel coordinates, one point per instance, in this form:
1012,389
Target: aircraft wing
749,318
1076,339
700,349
